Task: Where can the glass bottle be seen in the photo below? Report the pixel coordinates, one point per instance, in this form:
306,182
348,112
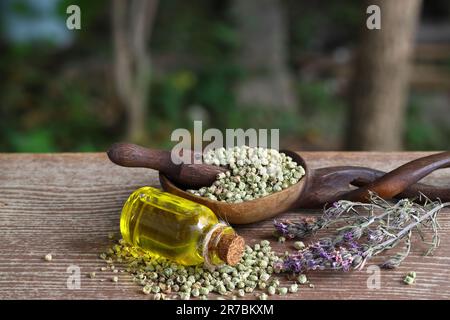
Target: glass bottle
178,229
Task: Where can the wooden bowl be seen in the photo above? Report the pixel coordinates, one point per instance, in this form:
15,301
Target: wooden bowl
248,211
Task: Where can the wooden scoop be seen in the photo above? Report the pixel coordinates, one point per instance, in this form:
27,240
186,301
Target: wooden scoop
316,189
249,211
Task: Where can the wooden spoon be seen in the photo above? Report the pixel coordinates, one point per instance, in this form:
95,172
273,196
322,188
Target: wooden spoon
248,211
316,189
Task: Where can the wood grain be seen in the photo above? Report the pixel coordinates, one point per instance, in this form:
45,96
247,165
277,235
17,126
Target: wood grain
67,204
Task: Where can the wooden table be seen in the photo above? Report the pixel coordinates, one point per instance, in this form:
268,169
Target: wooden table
67,204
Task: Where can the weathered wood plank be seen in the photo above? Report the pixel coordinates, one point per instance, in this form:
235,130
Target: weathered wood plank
66,204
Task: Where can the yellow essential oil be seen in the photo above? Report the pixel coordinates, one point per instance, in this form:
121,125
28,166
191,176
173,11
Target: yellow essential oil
178,229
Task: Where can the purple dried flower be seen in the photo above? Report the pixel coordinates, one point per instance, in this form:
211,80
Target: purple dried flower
300,229
281,227
363,236
321,255
348,236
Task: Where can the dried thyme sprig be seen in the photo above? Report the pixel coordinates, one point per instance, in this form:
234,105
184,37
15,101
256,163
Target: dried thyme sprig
369,229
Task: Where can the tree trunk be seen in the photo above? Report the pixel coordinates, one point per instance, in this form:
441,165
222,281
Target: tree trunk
263,54
381,78
132,23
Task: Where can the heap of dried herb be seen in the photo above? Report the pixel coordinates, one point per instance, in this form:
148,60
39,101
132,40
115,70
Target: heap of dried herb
164,279
254,173
364,230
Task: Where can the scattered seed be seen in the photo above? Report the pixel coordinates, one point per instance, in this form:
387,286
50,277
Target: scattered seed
302,279
156,275
146,290
265,243
48,257
293,288
195,292
299,245
282,291
410,278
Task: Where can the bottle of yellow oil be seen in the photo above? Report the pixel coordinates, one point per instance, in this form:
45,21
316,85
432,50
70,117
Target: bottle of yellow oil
178,229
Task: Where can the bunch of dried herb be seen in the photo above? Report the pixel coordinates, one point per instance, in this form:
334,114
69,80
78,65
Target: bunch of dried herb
364,230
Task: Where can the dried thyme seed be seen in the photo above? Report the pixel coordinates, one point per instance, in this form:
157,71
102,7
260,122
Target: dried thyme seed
254,173
410,278
146,290
157,296
254,273
302,279
293,288
282,291
299,245
263,296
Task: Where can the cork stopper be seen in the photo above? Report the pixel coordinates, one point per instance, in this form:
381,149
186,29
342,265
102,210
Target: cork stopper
231,248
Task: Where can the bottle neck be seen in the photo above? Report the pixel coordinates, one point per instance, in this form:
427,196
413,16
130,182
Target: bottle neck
222,245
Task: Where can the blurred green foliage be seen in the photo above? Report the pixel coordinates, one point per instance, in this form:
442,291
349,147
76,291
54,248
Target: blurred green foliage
61,99
426,130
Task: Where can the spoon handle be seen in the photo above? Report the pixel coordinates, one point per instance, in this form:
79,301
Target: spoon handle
132,155
396,181
330,184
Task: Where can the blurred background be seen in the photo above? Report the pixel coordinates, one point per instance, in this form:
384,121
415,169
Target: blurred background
139,69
